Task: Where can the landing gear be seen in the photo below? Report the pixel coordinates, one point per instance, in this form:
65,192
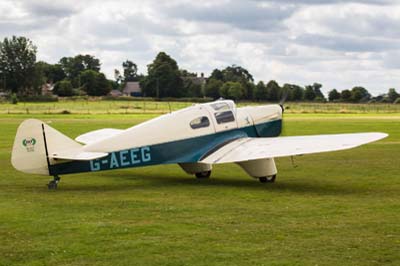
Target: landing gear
205,174
53,183
267,179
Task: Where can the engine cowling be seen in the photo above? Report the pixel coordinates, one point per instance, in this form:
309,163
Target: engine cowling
259,168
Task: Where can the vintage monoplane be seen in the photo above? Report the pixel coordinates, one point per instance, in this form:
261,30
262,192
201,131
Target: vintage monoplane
195,137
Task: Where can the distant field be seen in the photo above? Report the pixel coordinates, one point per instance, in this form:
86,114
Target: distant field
137,107
339,208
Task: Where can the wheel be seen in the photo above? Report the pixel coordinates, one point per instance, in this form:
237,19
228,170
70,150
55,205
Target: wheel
267,179
52,185
205,174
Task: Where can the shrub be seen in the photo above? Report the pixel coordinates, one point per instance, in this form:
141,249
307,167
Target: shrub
38,98
63,88
397,101
320,99
14,99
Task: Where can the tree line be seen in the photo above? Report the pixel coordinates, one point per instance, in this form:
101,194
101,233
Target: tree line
81,75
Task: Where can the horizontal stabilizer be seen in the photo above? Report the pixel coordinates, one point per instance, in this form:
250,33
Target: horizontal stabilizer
78,155
246,149
97,135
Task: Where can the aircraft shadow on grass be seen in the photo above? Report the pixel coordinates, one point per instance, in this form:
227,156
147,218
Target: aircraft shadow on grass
141,182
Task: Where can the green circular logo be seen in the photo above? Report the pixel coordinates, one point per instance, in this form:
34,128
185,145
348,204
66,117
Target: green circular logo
29,142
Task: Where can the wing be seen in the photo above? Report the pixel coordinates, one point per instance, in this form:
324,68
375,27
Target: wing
246,149
97,135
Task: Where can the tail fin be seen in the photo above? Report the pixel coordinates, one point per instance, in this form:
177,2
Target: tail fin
33,144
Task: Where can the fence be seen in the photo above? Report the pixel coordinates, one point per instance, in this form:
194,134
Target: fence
155,107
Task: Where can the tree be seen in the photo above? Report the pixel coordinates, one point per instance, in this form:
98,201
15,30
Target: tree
333,95
185,73
130,71
224,90
236,91
94,83
392,95
63,88
296,92
232,90
309,93
217,75
191,89
212,88
117,76
359,94
17,64
274,91
163,79
54,73
192,86
317,91
89,62
74,66
261,92
51,73
114,85
345,95
248,88
38,78
237,74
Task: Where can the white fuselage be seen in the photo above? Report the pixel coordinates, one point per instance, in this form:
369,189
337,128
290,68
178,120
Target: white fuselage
221,115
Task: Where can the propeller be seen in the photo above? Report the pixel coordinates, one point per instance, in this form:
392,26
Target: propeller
284,97
285,94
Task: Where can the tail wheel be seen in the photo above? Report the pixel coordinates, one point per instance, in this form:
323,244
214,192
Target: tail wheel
267,179
205,174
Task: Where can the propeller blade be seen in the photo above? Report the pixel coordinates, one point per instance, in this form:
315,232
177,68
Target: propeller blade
285,94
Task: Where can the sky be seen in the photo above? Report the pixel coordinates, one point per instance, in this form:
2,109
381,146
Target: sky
339,44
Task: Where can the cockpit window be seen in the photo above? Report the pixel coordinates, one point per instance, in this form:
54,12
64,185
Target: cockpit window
220,106
200,122
224,117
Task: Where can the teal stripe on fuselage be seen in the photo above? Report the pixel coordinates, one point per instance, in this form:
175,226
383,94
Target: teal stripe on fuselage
179,151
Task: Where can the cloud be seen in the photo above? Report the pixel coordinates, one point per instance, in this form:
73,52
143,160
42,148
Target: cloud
347,43
337,43
247,15
48,8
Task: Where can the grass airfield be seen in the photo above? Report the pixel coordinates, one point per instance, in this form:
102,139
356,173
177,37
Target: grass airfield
340,208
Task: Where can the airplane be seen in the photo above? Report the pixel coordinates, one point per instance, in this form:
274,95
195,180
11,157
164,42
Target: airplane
195,138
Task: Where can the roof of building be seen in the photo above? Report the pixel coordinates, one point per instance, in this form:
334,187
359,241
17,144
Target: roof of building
115,92
196,80
132,86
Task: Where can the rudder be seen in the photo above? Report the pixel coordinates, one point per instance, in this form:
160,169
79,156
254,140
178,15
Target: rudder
33,143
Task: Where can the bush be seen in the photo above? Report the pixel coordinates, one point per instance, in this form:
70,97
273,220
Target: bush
397,101
127,98
38,98
320,100
77,98
166,99
63,88
13,98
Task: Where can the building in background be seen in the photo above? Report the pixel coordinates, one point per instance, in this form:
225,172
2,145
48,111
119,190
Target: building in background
132,88
115,93
47,89
196,80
